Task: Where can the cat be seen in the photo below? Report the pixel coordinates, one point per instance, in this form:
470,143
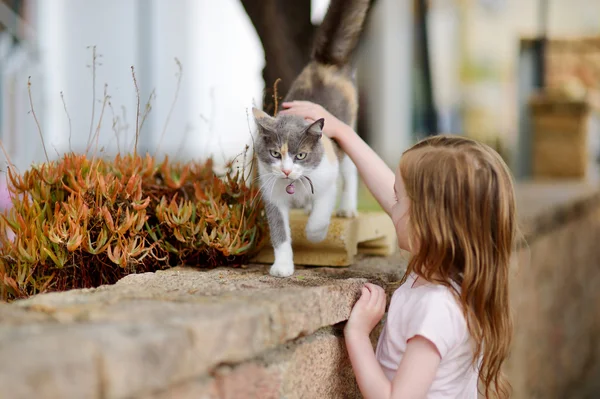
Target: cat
298,166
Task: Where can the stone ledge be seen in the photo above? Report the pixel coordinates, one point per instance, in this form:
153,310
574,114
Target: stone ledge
317,366
154,330
546,205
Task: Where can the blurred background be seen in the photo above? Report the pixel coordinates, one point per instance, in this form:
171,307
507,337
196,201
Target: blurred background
520,75
453,66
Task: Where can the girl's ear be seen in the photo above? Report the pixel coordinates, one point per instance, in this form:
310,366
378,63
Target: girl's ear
316,128
263,120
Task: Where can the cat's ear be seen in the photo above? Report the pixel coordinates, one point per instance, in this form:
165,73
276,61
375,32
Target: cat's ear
316,128
264,120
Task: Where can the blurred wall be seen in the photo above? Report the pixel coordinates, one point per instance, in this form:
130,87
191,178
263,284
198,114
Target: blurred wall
222,61
385,78
475,47
215,43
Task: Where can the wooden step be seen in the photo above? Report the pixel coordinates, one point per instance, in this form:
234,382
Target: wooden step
371,233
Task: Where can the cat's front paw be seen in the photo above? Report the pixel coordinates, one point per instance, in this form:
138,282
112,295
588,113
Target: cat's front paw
346,213
282,269
308,208
316,232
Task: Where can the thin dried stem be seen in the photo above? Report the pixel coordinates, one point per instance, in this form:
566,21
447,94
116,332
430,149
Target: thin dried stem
97,133
115,126
36,119
164,131
147,108
69,118
125,127
253,158
93,66
10,164
210,121
237,234
137,117
186,133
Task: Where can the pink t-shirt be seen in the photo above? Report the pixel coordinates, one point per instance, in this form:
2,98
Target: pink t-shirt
430,311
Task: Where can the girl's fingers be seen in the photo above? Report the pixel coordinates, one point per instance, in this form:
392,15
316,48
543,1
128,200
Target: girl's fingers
295,102
372,287
381,301
374,296
378,295
295,110
297,105
364,296
305,114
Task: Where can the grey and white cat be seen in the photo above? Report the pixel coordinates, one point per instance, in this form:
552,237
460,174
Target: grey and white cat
298,166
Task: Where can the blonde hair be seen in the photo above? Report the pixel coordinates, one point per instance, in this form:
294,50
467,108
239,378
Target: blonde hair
463,217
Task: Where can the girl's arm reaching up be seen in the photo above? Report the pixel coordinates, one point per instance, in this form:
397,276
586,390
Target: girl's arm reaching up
417,368
378,177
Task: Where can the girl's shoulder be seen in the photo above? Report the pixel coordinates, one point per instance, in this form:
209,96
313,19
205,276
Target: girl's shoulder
433,297
429,310
427,292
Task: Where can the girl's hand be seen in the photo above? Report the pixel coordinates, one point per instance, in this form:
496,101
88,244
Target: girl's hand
367,311
312,112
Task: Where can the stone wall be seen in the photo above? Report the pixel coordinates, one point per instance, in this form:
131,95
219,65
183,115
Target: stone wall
239,333
187,334
556,297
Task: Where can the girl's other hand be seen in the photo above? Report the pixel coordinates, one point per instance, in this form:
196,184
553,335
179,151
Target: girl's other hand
367,311
312,112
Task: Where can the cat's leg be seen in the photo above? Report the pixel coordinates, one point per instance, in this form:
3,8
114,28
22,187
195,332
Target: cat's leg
322,210
308,207
349,198
281,239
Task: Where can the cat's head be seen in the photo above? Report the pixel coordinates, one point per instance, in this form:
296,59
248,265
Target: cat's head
288,146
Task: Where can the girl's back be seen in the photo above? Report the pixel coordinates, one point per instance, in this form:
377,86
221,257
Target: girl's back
432,312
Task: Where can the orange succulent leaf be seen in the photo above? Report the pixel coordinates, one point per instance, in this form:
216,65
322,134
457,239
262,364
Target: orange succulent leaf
139,205
74,242
108,218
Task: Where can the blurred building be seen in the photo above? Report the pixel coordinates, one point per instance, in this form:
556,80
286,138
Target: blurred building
221,58
473,51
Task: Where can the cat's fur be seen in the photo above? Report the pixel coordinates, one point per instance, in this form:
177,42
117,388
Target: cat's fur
289,145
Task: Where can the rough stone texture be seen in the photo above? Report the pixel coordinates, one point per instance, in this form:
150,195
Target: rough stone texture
313,367
556,296
240,333
156,330
544,206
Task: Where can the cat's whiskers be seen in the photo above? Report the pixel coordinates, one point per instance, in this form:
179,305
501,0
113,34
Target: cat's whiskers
302,182
257,178
270,178
273,187
259,191
266,183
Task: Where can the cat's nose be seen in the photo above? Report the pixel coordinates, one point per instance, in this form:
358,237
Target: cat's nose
286,172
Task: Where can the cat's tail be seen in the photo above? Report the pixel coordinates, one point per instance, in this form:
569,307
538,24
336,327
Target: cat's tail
339,32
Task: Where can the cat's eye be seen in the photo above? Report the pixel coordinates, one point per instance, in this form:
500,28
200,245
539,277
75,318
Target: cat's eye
301,156
275,154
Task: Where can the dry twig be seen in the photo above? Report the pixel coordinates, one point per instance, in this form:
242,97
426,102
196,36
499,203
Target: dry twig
36,119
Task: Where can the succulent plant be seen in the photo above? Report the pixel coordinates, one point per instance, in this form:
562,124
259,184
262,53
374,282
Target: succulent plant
82,222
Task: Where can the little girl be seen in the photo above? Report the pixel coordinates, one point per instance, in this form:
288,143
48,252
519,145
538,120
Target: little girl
448,326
